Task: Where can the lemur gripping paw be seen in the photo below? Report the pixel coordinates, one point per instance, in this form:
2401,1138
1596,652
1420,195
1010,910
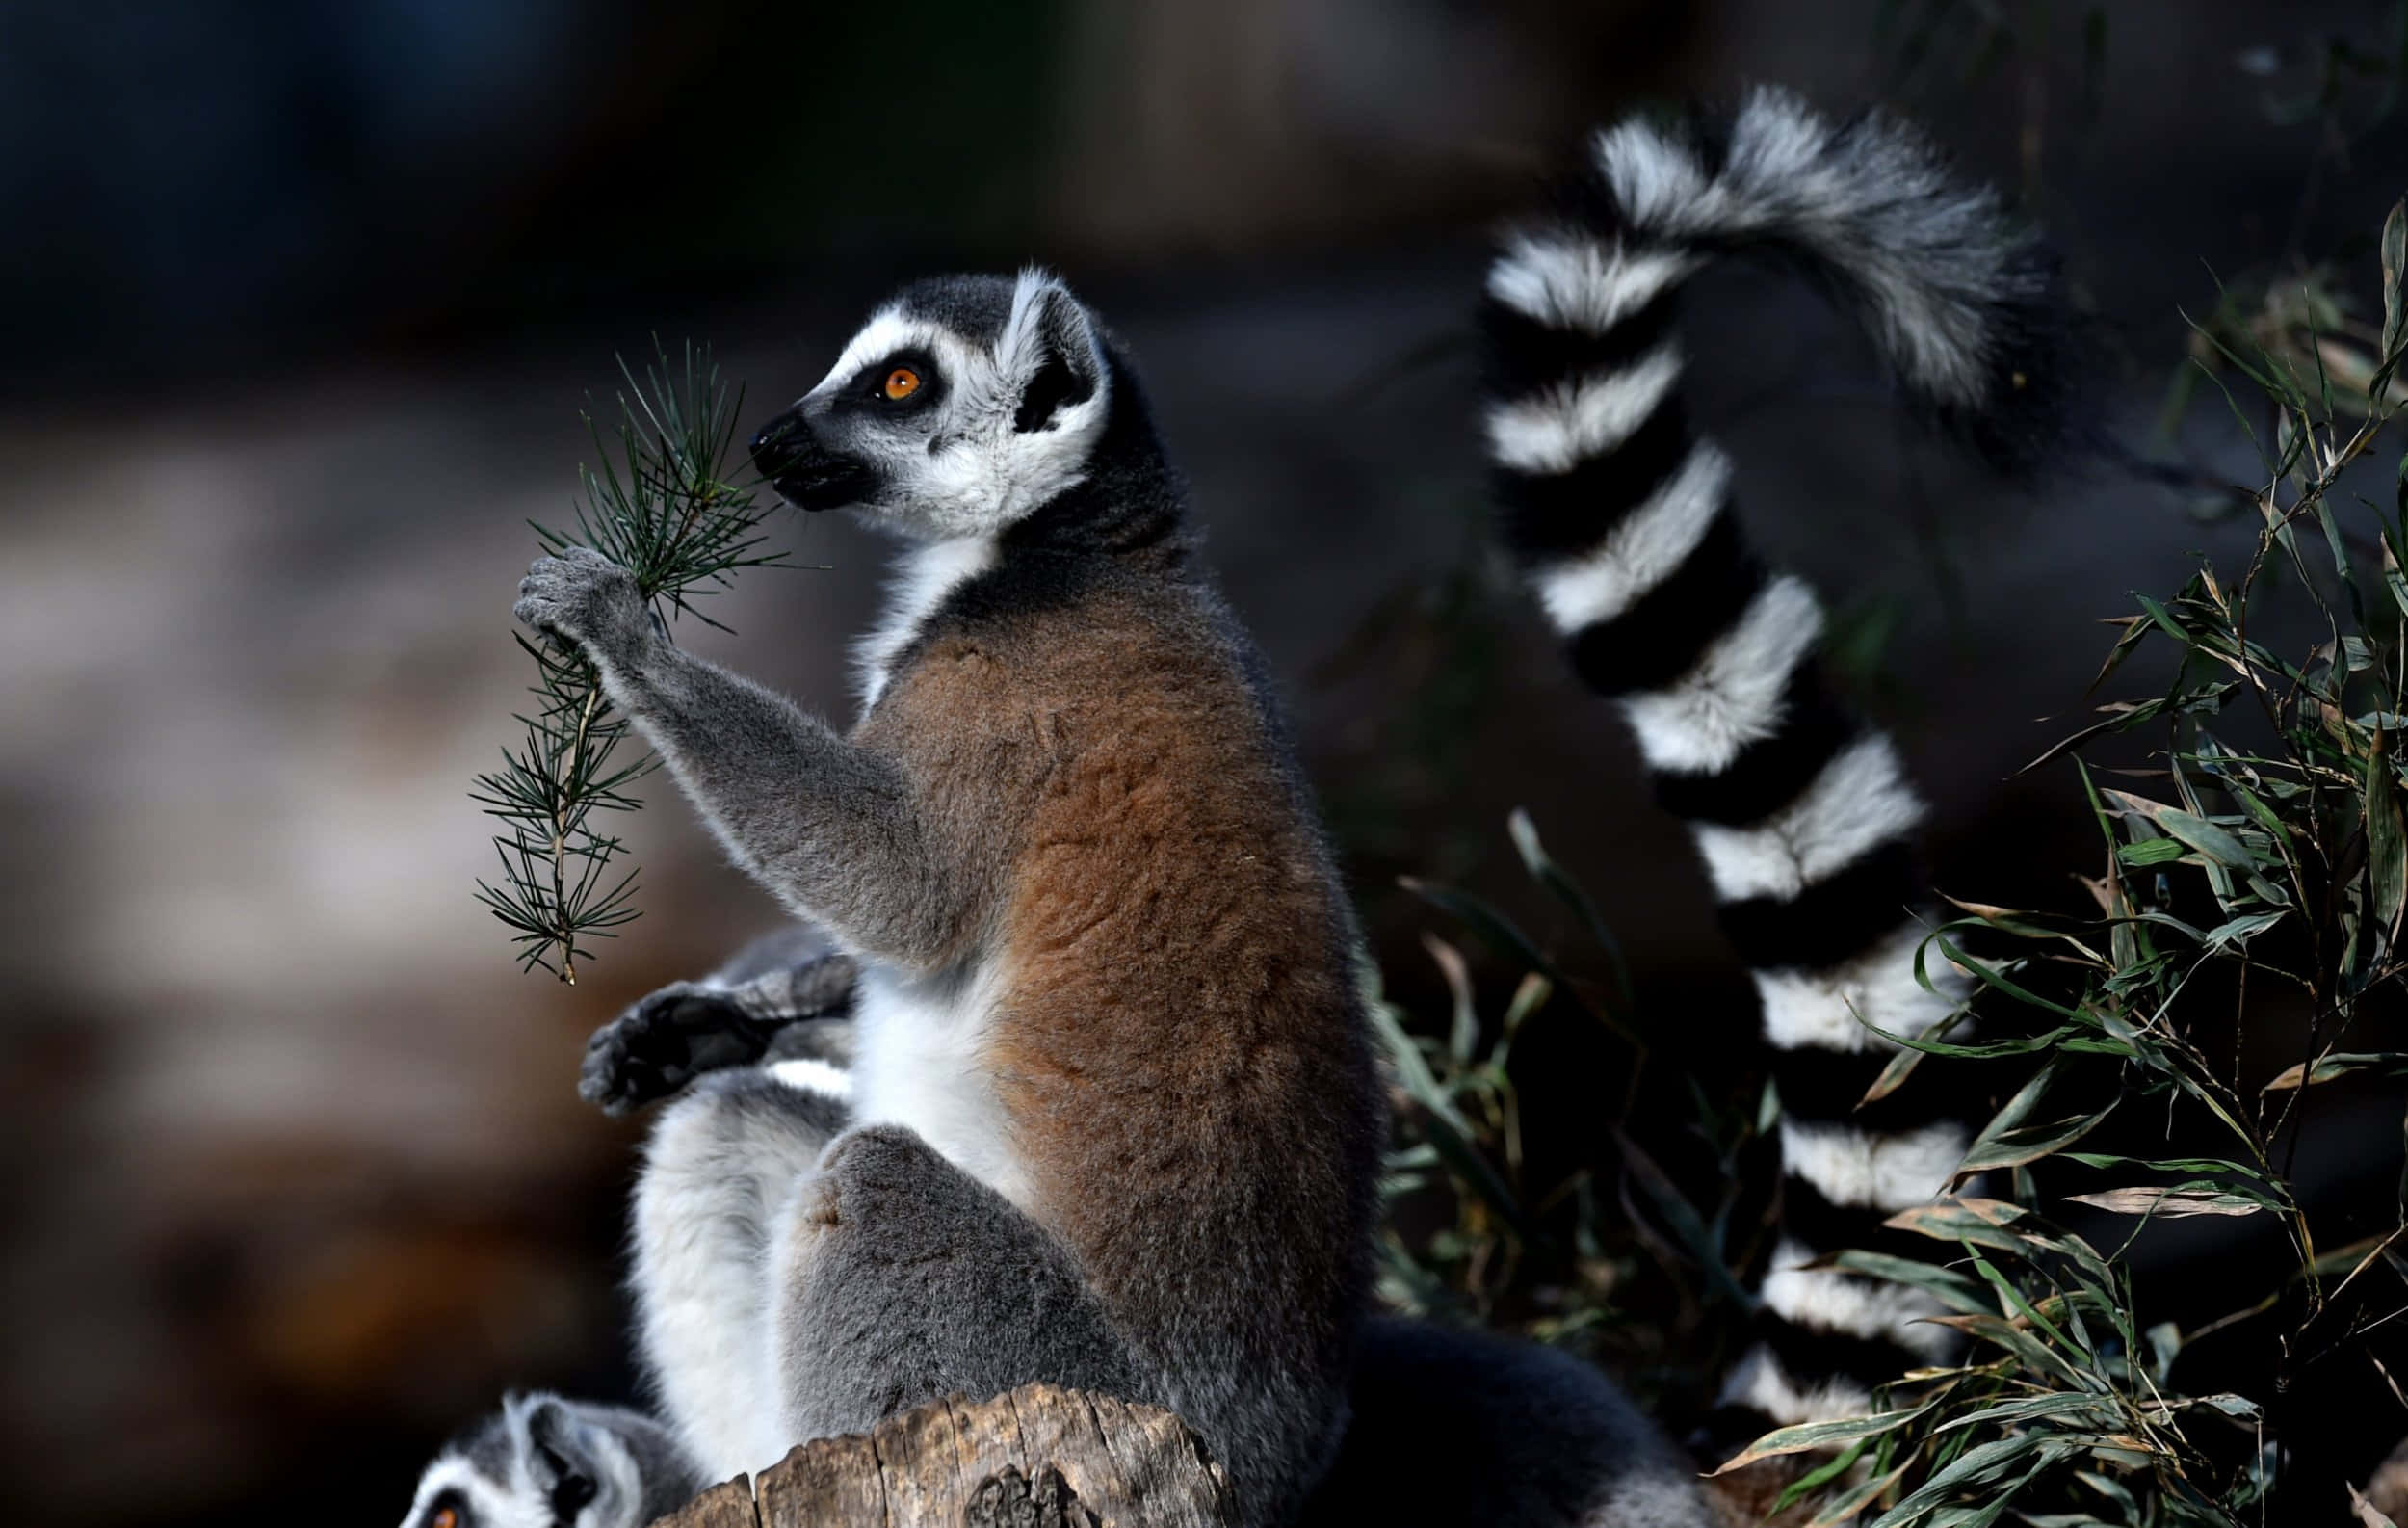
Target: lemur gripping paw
1107,972
585,599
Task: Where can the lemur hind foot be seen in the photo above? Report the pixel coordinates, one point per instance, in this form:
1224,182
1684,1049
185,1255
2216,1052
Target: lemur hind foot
795,1012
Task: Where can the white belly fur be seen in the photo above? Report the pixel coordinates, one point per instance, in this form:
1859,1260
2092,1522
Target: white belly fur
918,1062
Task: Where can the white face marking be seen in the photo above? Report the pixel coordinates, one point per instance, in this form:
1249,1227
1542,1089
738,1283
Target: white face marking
487,1501
962,466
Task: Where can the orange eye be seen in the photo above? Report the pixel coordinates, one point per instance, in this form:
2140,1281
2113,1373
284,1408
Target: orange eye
444,1517
900,383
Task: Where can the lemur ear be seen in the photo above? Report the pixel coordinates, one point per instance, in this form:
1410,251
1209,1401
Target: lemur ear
1050,341
550,1437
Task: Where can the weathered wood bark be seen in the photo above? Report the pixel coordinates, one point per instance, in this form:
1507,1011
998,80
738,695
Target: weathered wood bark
1038,1458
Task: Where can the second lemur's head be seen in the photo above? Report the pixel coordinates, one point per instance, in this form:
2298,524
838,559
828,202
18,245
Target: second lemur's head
962,407
545,1462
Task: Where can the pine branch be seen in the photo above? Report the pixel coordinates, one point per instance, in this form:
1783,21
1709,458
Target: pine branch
662,504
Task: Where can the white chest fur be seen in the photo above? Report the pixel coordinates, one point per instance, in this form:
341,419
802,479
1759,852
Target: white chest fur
919,1061
923,578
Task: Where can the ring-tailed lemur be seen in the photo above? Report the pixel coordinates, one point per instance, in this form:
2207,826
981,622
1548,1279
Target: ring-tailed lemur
1531,1438
1116,1122
1619,514
545,1462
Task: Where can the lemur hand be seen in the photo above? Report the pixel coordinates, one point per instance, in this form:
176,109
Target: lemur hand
666,1041
586,598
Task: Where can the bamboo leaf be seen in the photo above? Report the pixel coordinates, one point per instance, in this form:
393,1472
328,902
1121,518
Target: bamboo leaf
1982,1466
2387,836
2007,1142
1463,1033
2192,830
1543,869
1945,1285
2091,1410
1503,935
2395,278
1984,1223
2168,1203
2338,1064
1703,1246
1819,1435
1412,1067
1844,1506
2365,1512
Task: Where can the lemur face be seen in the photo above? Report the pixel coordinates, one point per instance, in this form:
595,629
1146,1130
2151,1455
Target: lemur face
536,1463
965,404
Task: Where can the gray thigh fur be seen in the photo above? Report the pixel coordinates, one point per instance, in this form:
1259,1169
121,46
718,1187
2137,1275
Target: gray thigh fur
721,1162
903,1279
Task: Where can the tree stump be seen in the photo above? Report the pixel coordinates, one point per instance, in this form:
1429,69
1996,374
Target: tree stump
1037,1458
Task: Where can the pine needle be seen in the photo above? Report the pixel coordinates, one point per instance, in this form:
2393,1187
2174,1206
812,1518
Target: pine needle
663,504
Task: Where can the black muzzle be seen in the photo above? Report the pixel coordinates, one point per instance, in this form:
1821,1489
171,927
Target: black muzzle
807,473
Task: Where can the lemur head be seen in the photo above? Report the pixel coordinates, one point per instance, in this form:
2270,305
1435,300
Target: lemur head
544,1463
961,406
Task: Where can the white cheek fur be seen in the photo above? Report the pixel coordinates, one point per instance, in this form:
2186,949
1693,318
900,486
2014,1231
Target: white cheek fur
987,475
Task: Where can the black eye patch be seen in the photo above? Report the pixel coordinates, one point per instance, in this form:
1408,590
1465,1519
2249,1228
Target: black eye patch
905,383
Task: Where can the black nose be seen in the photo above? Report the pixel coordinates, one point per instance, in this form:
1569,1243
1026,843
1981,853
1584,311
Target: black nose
780,445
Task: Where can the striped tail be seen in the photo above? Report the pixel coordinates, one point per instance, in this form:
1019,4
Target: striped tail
1619,514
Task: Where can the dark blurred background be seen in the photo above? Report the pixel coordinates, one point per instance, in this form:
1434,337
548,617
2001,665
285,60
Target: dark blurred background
301,304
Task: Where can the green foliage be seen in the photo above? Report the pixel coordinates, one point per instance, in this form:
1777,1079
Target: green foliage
668,512
1551,1256
2277,815
2264,859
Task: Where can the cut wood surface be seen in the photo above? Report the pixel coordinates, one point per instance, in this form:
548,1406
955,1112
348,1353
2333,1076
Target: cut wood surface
1037,1458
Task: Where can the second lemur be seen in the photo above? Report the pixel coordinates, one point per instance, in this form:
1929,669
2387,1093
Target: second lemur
1108,1030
